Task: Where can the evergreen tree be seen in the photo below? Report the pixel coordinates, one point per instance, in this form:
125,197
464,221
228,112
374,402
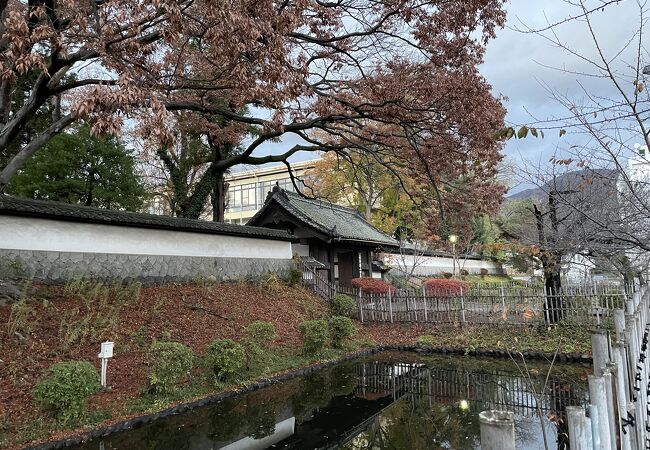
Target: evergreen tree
77,167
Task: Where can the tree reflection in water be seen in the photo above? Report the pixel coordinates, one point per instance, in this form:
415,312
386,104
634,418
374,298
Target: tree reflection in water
391,401
404,425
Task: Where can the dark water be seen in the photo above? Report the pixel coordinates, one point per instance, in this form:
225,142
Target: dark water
389,401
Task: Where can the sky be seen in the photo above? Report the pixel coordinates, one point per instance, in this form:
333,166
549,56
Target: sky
522,66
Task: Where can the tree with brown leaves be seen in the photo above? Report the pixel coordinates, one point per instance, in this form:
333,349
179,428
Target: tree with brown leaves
249,73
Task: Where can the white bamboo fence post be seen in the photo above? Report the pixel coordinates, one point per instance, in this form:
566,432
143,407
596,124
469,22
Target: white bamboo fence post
619,324
612,410
579,432
622,395
595,427
497,430
598,398
600,350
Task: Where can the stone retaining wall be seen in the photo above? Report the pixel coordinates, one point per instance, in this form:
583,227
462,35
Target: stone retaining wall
53,266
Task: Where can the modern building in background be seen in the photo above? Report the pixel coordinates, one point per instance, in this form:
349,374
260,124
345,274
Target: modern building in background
247,190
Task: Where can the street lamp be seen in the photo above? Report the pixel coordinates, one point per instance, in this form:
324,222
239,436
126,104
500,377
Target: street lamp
646,70
453,239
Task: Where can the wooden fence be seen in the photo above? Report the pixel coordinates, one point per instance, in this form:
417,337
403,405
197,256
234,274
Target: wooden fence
508,304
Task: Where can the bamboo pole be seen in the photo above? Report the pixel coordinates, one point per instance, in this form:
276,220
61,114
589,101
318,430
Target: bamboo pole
598,398
497,430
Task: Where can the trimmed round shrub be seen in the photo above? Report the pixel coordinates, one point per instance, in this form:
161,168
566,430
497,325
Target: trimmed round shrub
226,359
342,305
426,341
341,328
442,287
65,389
314,334
171,363
261,333
373,285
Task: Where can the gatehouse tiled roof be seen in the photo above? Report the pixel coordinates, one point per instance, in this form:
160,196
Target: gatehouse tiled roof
337,222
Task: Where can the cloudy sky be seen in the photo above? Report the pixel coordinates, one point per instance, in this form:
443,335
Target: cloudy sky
522,66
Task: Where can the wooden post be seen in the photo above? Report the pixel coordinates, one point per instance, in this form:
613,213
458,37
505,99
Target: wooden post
503,299
424,299
497,430
360,300
462,306
390,305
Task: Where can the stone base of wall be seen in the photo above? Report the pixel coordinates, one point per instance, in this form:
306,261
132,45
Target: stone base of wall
59,267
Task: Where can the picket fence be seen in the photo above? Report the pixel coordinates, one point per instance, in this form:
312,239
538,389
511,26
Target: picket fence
591,305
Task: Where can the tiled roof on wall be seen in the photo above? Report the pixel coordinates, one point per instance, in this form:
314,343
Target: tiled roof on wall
76,213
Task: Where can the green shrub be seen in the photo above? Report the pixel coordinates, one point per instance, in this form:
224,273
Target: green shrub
314,335
294,277
171,361
426,341
261,333
65,389
341,328
342,305
225,359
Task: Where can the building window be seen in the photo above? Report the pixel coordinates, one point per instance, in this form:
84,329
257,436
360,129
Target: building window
241,198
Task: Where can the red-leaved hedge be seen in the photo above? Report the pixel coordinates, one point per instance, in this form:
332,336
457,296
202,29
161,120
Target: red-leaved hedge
441,287
373,285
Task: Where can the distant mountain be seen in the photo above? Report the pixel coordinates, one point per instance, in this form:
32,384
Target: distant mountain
526,194
578,180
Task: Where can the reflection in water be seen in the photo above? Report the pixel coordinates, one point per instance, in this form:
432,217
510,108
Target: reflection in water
396,401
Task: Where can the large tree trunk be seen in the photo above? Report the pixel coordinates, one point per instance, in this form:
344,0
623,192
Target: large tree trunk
18,161
551,263
554,306
219,198
191,207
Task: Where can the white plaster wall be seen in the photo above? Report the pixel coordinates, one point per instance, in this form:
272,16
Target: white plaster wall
26,233
432,265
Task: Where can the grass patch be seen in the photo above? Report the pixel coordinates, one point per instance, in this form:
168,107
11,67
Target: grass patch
569,339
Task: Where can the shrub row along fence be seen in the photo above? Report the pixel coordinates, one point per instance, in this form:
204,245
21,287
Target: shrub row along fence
619,389
591,305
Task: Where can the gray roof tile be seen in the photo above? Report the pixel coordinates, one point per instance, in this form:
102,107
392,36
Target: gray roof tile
76,213
335,221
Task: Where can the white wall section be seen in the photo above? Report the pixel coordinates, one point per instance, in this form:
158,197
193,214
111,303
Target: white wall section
29,233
